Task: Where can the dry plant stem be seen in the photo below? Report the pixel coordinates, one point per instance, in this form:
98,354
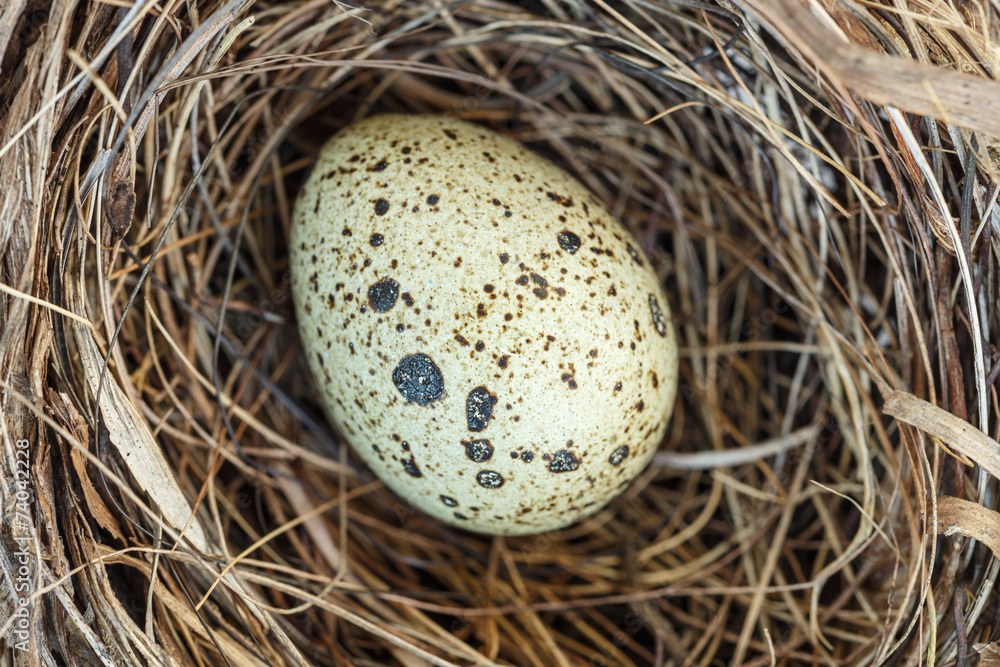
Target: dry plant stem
915,87
149,101
736,457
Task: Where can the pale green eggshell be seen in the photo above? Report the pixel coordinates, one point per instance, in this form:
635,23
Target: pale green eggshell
488,338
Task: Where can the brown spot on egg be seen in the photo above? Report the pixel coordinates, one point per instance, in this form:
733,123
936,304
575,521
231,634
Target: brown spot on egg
479,408
479,451
418,379
382,295
411,467
618,455
489,479
381,206
564,461
559,199
656,313
633,253
568,241
448,500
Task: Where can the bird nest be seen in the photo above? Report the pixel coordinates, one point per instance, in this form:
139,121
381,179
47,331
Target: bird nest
815,183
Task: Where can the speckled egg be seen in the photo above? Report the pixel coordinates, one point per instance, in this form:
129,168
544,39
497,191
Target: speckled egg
488,338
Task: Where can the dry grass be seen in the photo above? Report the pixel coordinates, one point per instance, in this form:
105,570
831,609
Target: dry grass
816,185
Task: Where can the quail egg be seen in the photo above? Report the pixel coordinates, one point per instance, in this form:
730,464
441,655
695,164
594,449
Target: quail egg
489,339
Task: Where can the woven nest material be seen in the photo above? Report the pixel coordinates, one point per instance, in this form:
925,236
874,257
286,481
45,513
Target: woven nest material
815,183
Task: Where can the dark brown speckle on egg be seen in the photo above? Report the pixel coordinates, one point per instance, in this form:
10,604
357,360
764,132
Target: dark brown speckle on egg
564,461
479,451
489,479
568,241
618,455
382,295
659,322
411,467
418,379
633,253
479,408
